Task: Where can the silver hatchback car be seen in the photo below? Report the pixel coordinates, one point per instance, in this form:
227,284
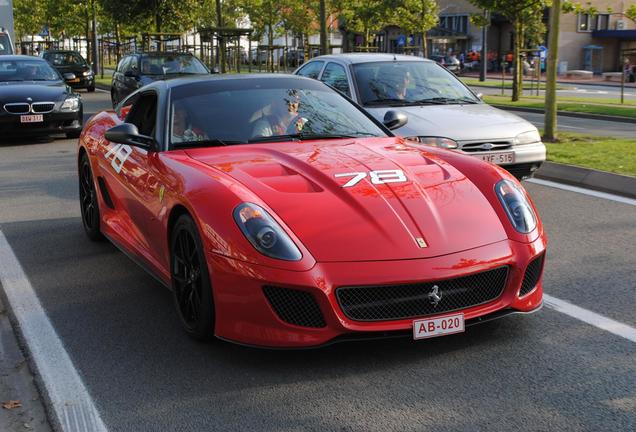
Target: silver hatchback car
441,110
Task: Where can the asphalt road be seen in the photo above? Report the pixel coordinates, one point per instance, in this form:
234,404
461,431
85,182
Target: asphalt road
542,372
583,125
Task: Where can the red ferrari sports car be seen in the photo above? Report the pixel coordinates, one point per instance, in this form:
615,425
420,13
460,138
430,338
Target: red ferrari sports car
280,214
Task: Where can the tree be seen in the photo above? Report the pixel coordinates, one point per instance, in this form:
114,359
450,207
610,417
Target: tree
524,15
28,17
550,130
418,17
265,16
366,16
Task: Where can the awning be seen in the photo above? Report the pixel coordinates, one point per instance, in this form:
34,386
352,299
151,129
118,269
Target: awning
615,34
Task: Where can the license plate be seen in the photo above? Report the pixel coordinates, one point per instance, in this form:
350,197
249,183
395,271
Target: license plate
498,158
35,118
440,326
74,80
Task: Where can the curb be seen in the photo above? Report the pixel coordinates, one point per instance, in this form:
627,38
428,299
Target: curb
588,178
568,114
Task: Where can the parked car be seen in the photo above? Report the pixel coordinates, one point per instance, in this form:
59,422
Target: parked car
137,70
6,46
34,99
73,67
281,214
442,110
451,63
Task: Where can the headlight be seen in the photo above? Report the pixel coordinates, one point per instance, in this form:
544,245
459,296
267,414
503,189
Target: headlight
514,201
264,233
528,137
88,73
446,143
70,104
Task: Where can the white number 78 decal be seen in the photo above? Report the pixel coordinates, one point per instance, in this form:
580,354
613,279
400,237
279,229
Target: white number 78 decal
377,177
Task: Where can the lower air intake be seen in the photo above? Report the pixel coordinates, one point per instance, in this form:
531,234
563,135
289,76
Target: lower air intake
295,307
532,276
392,302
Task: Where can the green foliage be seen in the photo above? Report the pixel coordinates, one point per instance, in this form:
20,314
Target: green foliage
416,16
631,12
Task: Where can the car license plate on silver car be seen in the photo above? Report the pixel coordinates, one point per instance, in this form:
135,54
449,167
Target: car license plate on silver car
34,118
497,158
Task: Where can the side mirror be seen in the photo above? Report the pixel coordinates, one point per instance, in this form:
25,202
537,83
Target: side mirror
480,96
69,76
127,133
394,119
130,74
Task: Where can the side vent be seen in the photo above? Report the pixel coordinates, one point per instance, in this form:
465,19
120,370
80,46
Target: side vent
103,189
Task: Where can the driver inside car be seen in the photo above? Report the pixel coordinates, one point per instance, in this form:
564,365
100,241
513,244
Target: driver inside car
283,118
182,128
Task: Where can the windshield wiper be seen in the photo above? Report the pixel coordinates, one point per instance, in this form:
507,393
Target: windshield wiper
308,136
206,143
388,101
446,100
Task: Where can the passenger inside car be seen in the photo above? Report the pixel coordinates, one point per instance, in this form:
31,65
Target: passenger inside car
183,129
280,117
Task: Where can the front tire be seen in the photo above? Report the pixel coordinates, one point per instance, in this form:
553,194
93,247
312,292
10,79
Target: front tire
191,287
73,134
88,200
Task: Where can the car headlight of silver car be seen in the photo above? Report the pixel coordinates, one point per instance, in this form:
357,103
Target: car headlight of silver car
264,233
87,73
71,104
528,137
446,143
514,201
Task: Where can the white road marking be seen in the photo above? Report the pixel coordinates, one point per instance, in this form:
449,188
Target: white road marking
592,318
597,194
101,91
70,403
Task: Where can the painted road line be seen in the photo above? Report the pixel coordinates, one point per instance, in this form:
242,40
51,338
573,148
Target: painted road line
592,318
70,405
597,194
101,91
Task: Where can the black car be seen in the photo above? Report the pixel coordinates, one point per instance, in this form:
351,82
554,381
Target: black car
137,70
73,67
34,99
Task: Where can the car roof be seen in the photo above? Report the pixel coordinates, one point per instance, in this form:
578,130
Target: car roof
21,57
161,54
183,81
355,58
61,51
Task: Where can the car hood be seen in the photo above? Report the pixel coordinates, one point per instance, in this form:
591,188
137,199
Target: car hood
367,221
76,69
36,90
459,122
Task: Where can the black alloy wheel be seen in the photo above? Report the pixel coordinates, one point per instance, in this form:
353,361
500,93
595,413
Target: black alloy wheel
192,291
88,200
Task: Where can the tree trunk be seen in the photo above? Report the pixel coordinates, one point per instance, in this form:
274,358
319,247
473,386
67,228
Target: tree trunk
270,46
323,28
220,42
424,45
550,132
517,70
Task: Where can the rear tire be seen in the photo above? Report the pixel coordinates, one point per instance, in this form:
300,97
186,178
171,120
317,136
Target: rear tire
90,89
191,287
88,201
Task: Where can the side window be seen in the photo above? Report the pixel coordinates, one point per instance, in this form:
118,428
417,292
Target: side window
311,69
121,67
133,65
335,76
143,114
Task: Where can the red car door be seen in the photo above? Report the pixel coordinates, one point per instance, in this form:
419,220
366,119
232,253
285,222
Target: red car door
133,177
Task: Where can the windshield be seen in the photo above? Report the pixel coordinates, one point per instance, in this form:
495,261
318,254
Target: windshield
5,45
65,59
251,111
171,64
408,83
27,70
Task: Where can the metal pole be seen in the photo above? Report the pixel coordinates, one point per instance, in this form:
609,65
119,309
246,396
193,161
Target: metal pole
94,40
623,70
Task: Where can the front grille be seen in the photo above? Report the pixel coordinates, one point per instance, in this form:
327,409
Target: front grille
42,107
486,146
17,108
523,170
295,307
391,302
532,276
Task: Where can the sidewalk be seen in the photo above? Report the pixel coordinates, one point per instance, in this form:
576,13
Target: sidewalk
595,81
